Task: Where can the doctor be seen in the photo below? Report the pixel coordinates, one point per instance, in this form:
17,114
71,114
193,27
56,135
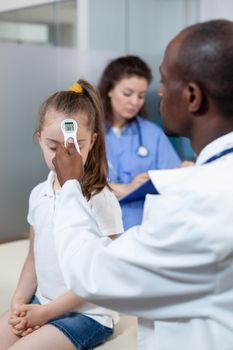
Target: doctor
134,145
175,271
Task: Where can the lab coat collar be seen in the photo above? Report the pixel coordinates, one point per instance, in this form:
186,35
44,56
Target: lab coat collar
172,179
215,147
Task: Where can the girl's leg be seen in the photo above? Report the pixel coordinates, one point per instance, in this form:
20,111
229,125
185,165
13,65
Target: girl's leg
47,337
7,337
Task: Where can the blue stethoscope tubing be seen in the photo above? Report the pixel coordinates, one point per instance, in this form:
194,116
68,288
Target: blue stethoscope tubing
142,150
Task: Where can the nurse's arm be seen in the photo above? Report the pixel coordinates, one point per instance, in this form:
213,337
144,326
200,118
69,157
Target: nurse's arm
121,190
156,270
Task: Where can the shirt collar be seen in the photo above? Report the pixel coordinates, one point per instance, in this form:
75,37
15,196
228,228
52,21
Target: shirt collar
215,147
48,188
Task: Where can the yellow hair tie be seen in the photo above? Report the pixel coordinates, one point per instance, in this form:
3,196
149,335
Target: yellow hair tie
76,87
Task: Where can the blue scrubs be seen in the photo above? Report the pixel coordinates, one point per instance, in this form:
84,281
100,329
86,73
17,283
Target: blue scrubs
124,162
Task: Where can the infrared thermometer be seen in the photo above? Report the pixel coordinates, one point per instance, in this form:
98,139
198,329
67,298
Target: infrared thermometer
69,128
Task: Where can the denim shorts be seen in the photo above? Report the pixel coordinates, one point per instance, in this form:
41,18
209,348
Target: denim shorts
83,331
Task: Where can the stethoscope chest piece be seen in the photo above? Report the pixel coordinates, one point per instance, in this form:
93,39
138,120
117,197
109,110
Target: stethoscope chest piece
142,151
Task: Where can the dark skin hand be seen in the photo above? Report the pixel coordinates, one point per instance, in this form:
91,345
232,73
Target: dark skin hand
68,163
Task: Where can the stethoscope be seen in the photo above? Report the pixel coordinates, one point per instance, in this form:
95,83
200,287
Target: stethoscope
142,151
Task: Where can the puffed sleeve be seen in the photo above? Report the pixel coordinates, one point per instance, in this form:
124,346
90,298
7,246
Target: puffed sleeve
34,199
31,201
107,212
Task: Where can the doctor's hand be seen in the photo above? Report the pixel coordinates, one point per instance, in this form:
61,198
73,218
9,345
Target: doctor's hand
68,163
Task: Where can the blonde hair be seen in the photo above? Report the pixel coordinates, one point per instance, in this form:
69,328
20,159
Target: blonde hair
86,101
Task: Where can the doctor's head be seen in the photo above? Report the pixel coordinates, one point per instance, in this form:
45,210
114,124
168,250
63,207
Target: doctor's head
197,82
83,104
123,87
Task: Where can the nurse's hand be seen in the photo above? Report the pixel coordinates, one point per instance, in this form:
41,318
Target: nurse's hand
139,180
122,190
186,163
68,163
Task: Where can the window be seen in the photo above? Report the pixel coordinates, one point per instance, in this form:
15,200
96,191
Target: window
51,24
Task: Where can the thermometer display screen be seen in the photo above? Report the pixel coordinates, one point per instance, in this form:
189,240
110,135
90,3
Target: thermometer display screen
69,126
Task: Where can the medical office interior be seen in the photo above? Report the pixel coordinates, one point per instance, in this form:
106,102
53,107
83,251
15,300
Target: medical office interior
47,45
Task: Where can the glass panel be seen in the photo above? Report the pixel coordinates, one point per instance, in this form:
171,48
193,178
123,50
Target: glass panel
149,31
24,32
53,23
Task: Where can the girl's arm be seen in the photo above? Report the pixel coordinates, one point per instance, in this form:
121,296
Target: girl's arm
27,282
62,305
37,315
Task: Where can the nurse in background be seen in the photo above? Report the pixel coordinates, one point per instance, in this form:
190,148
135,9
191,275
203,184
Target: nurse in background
134,145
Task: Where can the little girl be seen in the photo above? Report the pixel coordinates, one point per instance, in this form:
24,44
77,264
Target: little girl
44,314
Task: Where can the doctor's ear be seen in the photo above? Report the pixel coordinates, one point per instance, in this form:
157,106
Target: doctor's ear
194,97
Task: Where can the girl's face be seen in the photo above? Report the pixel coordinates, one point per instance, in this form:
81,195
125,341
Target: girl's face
127,98
51,135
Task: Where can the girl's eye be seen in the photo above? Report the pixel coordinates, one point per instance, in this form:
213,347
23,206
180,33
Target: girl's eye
53,148
126,94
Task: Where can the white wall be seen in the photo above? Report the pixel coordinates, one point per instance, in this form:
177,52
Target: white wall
212,9
107,21
128,26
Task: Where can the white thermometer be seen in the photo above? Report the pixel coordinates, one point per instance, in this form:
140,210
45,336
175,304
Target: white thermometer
69,128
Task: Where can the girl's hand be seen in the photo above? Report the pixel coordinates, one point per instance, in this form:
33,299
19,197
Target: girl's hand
19,326
15,304
29,330
16,319
35,315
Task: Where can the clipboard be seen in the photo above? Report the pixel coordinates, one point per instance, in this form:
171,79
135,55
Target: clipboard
139,193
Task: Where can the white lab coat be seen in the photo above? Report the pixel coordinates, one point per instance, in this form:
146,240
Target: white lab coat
175,271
